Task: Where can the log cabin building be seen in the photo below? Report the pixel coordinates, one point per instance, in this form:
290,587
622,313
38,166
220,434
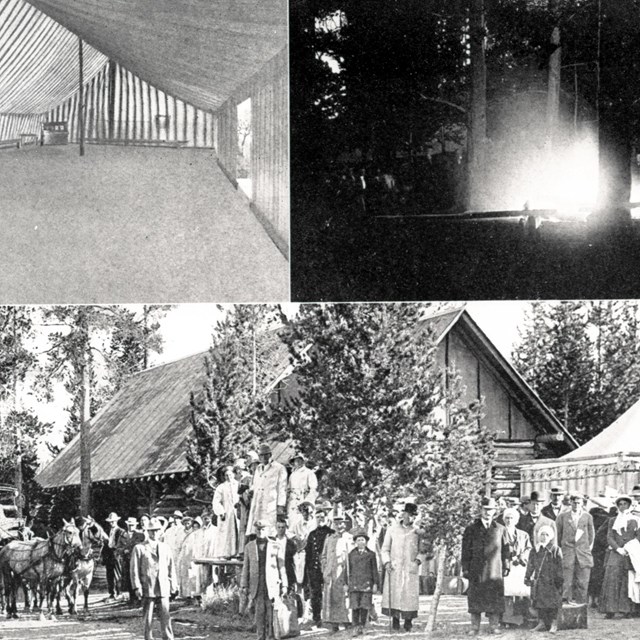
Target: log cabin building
139,438
525,429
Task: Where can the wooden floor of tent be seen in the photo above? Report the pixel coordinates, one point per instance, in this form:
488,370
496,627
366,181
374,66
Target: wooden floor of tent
129,225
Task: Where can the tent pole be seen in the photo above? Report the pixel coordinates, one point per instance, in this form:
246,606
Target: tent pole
81,101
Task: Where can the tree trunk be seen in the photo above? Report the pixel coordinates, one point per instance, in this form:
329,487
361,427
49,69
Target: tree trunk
477,134
553,89
431,619
616,69
85,433
18,479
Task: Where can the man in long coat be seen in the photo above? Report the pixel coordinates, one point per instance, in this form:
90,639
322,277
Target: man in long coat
399,555
154,579
263,578
313,580
576,535
485,562
269,492
335,566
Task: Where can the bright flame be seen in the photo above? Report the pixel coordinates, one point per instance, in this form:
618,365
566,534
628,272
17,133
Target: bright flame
566,181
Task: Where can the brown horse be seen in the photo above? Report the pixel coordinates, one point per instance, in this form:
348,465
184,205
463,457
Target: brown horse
38,561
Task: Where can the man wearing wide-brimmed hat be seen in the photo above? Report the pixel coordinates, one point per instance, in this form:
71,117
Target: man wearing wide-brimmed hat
554,508
576,535
110,557
399,555
485,563
313,580
303,486
269,492
154,579
335,561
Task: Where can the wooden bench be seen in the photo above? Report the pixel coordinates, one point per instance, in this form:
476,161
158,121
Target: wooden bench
14,143
141,142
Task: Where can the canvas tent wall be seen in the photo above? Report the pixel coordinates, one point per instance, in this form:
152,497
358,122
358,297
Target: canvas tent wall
610,460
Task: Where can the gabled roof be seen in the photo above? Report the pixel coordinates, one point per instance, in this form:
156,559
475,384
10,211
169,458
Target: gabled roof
443,322
622,437
143,430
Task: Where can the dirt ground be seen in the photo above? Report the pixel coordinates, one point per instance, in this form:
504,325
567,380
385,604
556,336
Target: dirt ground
118,621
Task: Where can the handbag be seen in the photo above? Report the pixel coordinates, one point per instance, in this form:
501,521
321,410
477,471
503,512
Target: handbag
285,618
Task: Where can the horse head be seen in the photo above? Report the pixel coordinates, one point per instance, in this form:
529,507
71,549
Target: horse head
67,541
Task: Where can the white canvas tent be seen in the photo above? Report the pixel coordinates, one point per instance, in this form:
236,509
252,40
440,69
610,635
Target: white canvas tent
611,460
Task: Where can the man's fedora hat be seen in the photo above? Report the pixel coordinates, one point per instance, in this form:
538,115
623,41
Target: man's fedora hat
489,503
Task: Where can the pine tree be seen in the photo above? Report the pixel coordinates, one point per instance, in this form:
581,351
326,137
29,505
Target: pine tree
555,357
582,359
81,354
224,415
370,396
17,360
380,417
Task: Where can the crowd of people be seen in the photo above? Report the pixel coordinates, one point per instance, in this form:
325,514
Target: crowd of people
304,560
525,563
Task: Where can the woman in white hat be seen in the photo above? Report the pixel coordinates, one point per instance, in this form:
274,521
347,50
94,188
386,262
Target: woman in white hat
302,487
225,500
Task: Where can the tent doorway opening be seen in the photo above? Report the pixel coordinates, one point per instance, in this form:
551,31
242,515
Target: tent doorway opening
243,163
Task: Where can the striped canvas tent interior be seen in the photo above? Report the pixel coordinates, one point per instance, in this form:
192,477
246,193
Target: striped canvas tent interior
144,62
154,73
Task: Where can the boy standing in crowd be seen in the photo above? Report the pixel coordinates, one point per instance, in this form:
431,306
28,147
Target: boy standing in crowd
363,580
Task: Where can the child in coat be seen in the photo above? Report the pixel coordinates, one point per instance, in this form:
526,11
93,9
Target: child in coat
545,577
363,580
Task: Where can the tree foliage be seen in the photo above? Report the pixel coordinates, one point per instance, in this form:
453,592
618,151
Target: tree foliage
582,359
20,434
371,408
117,342
225,413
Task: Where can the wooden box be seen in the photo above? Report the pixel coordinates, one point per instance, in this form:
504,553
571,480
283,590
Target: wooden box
55,133
572,616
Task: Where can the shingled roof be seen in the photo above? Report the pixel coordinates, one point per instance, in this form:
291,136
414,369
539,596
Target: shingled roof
143,430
